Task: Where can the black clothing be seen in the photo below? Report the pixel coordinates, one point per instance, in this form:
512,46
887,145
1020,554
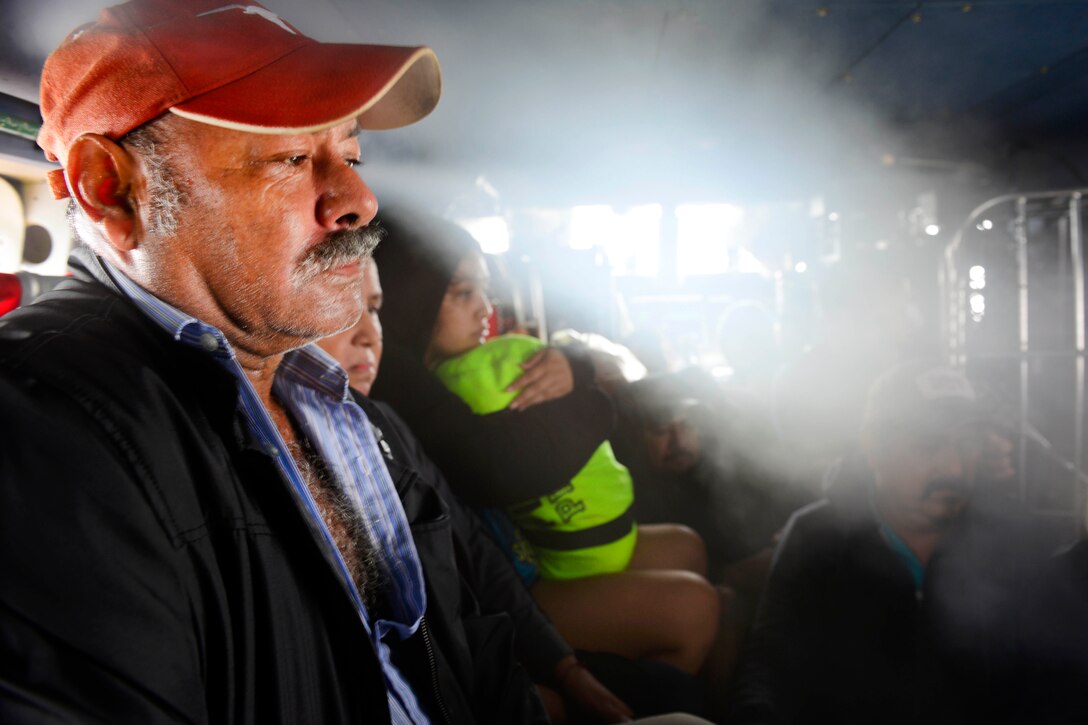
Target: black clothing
843,636
501,458
157,569
493,580
648,687
735,512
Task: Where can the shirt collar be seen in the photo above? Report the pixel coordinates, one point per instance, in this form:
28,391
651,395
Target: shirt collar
310,365
895,542
182,326
313,367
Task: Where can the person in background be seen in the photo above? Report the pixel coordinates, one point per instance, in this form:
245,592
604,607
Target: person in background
868,323
749,340
548,658
436,307
222,539
906,595
695,460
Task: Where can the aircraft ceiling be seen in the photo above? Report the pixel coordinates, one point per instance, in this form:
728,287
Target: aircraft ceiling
621,101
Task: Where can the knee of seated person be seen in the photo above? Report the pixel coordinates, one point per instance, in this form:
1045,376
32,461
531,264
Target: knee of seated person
695,606
693,620
690,548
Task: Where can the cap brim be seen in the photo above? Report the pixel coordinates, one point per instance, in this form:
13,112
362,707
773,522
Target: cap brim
321,85
943,422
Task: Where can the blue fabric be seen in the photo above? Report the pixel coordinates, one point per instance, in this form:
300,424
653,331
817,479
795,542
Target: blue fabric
512,543
314,390
914,565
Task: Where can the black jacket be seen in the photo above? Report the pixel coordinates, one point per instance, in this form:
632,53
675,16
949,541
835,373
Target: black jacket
495,584
502,458
155,568
843,636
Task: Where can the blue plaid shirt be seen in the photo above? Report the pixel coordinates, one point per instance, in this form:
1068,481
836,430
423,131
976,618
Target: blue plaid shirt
314,390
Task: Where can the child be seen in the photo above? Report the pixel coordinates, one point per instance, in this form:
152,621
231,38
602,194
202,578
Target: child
581,529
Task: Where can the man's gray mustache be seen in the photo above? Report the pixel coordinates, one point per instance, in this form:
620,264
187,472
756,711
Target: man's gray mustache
342,247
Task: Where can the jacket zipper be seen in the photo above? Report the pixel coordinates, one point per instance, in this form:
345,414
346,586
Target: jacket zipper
431,661
434,670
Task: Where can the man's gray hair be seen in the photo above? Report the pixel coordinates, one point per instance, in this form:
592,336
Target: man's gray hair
165,197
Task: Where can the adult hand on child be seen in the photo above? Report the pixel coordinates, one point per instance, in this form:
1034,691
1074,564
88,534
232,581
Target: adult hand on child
547,376
585,693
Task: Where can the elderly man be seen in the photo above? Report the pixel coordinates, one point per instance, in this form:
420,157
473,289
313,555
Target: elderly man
196,521
901,597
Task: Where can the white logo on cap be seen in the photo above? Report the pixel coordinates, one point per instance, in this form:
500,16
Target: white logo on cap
254,10
937,384
74,36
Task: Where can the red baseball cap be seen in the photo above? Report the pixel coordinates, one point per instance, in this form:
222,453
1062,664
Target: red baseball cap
237,66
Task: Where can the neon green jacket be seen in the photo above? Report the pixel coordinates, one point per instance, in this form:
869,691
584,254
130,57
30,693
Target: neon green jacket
585,526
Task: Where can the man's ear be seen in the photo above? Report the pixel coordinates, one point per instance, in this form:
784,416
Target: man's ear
100,174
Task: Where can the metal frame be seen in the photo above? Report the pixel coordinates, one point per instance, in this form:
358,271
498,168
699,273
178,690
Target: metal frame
955,321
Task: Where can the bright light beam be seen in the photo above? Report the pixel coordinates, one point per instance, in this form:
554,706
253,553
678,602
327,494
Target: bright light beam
492,232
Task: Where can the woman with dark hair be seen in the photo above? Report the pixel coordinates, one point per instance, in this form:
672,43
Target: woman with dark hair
436,307
543,443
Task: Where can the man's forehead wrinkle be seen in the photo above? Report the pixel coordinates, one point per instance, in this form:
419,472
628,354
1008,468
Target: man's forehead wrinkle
261,141
257,143
209,147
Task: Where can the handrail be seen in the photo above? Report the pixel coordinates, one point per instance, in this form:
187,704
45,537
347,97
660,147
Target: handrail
1076,258
955,297
1020,233
1003,199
